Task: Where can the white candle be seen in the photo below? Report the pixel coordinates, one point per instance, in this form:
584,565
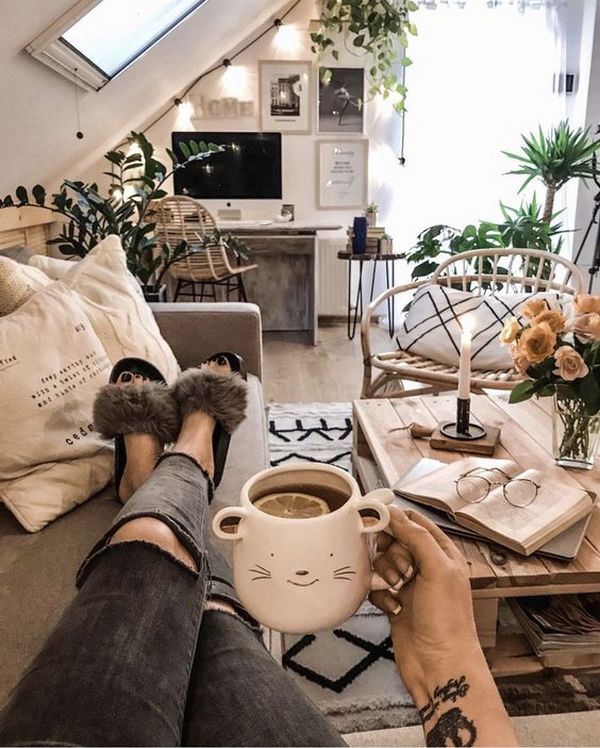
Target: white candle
464,371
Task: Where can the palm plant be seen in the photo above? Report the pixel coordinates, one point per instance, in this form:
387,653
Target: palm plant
555,158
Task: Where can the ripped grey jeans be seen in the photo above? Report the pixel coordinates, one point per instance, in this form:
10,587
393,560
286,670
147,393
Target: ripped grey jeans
135,658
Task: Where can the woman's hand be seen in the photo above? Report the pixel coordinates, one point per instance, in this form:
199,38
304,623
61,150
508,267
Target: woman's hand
436,648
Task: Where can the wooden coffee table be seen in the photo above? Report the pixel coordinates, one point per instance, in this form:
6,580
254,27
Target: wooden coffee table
380,458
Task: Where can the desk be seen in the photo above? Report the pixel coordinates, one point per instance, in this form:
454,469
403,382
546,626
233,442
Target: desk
285,283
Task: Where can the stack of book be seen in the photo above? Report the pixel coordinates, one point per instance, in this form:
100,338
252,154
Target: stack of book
377,240
560,625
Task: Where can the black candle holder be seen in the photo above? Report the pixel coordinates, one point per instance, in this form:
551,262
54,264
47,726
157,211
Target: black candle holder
462,429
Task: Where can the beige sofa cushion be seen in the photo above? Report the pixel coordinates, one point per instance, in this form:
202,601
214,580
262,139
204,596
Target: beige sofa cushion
114,302
51,365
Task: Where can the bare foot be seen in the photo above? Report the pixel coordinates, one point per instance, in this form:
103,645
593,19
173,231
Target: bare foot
195,437
142,449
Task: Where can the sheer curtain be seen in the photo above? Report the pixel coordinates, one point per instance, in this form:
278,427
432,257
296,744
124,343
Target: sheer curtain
483,74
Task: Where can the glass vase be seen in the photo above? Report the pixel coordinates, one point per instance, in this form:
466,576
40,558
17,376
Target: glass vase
575,434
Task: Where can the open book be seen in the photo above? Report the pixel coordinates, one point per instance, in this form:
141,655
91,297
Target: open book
524,529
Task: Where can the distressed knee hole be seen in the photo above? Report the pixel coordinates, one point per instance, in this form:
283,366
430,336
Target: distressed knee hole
152,530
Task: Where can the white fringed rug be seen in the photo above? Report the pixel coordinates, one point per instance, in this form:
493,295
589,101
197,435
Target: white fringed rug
349,672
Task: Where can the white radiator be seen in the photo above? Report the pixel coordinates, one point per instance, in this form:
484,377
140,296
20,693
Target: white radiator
333,278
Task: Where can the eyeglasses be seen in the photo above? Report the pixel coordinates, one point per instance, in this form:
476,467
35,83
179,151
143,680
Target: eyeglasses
474,487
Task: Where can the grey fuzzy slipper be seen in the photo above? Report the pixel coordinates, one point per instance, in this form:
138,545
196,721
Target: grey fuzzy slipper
147,409
224,397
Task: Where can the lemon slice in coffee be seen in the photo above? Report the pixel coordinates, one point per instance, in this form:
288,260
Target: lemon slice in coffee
292,505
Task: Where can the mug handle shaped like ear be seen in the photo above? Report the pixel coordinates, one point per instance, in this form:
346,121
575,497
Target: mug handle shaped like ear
376,506
229,512
384,495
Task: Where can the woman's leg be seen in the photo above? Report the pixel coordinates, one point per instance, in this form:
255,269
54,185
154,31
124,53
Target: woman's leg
116,668
238,694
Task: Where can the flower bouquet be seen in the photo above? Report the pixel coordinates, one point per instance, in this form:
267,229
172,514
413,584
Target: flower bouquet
561,358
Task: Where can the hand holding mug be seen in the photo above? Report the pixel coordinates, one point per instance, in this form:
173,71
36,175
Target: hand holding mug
431,616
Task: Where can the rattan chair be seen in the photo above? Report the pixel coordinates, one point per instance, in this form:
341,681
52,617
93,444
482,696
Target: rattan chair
483,271
181,218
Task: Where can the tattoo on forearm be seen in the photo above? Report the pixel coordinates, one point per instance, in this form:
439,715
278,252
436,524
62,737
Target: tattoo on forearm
452,728
454,689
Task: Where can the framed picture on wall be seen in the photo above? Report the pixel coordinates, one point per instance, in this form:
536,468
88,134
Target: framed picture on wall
341,100
285,99
342,173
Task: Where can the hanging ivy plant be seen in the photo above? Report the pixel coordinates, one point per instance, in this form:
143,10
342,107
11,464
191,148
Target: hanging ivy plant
374,28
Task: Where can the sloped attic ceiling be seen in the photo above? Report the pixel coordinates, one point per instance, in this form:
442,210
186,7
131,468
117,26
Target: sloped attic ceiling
38,106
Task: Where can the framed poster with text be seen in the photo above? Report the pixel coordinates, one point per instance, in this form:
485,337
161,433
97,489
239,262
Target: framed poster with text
285,96
342,169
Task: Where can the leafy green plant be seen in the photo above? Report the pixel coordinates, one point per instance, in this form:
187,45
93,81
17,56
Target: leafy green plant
136,179
373,29
521,227
555,158
237,246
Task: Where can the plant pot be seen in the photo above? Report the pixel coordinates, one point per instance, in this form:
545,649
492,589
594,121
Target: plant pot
371,219
575,434
155,295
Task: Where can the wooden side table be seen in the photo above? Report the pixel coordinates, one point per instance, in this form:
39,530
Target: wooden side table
381,456
355,312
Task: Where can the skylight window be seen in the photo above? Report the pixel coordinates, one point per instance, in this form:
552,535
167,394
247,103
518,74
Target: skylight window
93,46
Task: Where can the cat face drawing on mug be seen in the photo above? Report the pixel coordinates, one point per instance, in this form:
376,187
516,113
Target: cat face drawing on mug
299,575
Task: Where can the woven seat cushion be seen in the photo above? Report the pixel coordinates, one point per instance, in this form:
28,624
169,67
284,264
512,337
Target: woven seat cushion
434,323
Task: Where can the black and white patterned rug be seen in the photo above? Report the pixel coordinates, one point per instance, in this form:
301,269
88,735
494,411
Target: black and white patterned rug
349,672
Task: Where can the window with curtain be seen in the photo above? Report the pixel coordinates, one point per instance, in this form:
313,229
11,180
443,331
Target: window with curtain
484,73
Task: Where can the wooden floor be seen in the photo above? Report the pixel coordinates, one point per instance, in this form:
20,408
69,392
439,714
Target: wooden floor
295,371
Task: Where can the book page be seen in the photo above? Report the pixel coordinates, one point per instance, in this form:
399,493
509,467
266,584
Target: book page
438,488
553,501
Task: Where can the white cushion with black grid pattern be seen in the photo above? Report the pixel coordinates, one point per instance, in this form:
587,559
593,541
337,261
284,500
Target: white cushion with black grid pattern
433,324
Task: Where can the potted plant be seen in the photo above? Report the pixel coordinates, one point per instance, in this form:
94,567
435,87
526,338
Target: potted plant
371,214
386,245
136,179
371,29
555,158
561,359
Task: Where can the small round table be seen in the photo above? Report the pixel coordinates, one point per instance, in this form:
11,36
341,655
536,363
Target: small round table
388,259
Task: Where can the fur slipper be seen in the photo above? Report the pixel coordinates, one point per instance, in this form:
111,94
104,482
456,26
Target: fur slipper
147,409
224,397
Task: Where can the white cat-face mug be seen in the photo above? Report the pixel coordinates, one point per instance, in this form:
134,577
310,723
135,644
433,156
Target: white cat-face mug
303,575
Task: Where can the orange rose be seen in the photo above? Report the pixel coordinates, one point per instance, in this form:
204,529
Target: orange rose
510,331
520,361
553,317
534,307
537,343
585,326
569,364
586,303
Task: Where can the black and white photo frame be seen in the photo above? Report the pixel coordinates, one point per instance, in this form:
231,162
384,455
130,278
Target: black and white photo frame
285,96
341,97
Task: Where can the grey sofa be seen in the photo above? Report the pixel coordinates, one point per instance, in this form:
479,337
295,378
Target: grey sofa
37,570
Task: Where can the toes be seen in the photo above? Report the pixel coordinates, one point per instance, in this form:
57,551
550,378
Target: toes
125,377
138,379
218,364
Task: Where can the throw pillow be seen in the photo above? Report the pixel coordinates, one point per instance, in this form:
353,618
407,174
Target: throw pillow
53,267
17,284
51,366
114,302
432,327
